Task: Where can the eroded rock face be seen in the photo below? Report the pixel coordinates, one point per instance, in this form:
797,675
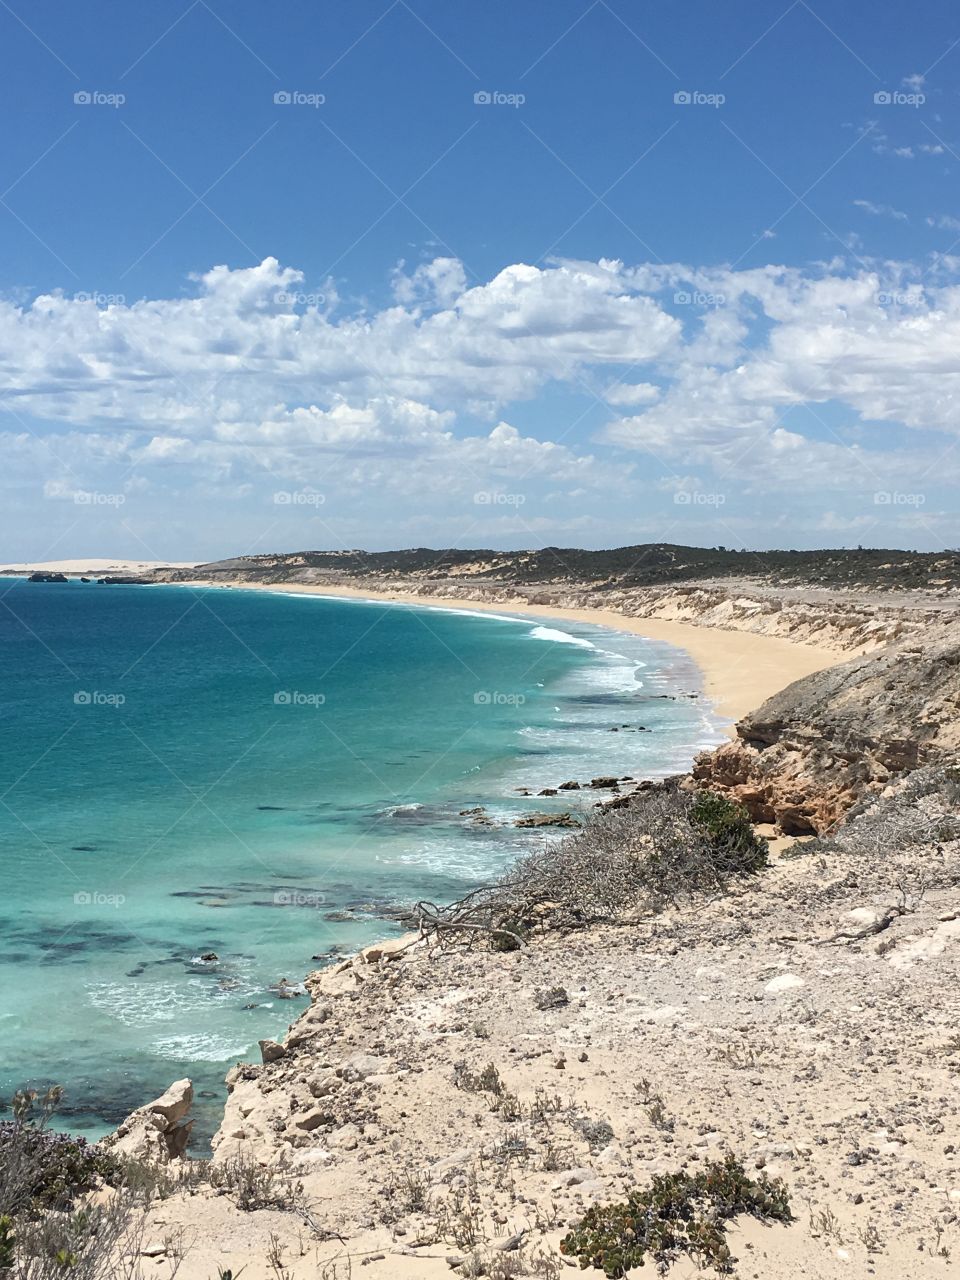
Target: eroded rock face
816,749
158,1132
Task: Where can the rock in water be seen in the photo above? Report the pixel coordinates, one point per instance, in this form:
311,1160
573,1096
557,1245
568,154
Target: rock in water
547,820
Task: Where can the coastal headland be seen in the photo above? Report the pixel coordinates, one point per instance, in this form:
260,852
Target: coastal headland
442,1106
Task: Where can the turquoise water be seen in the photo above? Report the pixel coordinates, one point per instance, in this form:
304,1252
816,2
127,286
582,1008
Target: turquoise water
264,776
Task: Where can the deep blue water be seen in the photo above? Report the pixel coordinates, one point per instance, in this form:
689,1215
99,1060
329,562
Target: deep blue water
259,775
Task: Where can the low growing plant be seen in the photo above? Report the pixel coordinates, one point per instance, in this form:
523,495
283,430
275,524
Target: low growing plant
42,1169
677,1214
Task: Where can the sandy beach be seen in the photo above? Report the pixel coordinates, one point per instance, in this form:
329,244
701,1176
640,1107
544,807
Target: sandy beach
740,669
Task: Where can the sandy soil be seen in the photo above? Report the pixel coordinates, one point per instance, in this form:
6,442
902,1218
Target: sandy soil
740,669
770,1023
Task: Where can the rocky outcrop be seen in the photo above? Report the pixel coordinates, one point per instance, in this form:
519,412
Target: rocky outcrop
158,1132
547,820
817,748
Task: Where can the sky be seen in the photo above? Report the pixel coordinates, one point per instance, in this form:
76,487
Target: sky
395,273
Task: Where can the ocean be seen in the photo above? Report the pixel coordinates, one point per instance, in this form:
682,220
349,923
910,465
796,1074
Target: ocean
264,778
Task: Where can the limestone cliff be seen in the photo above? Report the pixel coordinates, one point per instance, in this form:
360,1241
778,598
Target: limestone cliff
814,750
847,621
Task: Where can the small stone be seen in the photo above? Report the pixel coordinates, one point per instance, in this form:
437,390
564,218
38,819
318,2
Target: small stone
270,1051
785,982
324,1083
307,1121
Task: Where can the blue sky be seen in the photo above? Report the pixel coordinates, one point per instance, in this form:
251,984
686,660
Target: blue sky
272,277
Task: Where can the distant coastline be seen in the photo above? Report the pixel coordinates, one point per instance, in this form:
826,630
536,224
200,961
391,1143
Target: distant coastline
739,669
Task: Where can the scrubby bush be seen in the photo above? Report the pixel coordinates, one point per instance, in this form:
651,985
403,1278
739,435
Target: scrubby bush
663,846
40,1168
251,1185
596,1133
49,1225
677,1214
730,831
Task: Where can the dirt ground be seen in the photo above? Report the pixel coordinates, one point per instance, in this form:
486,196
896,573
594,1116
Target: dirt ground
741,1025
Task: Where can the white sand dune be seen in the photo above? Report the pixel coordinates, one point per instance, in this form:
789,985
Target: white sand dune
93,565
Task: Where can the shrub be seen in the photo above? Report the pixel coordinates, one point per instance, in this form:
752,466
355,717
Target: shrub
728,826
596,1133
664,845
488,1080
252,1185
42,1169
50,1224
677,1214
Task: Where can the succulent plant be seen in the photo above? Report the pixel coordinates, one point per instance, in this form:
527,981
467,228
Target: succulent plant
678,1213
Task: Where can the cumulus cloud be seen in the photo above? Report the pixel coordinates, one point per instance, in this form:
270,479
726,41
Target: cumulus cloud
253,381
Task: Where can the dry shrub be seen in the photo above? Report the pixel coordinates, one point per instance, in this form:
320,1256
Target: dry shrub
664,846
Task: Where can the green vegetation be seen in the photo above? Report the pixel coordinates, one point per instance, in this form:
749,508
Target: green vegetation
648,565
41,1169
49,1224
677,1214
730,831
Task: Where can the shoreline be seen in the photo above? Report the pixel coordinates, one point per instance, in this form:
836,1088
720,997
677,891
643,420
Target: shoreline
739,670
735,671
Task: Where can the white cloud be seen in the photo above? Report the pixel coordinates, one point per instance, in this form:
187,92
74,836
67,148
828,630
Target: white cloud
434,284
631,393
242,345
244,388
881,210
